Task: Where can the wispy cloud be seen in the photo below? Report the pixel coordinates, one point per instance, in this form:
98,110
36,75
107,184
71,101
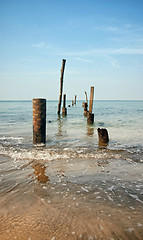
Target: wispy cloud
107,28
114,62
39,45
106,51
84,60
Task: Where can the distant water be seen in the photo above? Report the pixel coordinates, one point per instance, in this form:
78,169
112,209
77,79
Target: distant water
71,136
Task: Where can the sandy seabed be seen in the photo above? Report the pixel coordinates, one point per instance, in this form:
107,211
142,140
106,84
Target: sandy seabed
76,199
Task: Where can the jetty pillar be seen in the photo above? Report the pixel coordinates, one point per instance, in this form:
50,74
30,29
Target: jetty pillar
103,136
75,99
39,121
64,109
61,85
86,98
90,115
85,109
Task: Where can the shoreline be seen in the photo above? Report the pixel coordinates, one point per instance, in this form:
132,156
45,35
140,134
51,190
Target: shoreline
72,199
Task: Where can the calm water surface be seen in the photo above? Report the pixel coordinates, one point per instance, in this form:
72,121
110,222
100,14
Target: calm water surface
71,136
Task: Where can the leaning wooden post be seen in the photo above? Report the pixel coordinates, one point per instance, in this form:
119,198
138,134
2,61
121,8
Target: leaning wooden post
39,121
90,116
64,109
85,109
75,100
61,85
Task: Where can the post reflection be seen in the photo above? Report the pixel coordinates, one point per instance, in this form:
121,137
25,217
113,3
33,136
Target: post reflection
60,127
90,131
39,171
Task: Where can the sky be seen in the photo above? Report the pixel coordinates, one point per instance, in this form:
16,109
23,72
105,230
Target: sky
101,40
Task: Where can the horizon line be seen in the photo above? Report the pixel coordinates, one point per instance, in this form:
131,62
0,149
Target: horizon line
28,100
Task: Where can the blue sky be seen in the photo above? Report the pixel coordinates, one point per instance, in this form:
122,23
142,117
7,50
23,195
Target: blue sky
102,41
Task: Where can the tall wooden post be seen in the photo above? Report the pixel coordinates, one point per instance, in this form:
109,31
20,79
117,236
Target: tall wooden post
64,109
90,117
39,120
91,99
61,85
75,100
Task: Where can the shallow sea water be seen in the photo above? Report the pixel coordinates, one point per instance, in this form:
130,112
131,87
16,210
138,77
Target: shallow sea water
72,188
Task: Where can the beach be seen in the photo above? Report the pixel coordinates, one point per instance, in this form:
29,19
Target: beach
71,188
77,199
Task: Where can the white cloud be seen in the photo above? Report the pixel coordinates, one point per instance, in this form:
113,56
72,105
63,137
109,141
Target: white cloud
107,28
84,60
106,51
39,45
114,62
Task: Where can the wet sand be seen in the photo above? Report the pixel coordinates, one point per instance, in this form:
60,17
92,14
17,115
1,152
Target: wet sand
71,199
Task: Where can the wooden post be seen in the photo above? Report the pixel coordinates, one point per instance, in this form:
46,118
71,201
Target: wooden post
39,121
103,136
90,115
61,85
72,103
91,99
86,98
75,100
85,109
64,109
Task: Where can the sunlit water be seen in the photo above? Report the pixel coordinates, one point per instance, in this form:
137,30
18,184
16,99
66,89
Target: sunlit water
72,188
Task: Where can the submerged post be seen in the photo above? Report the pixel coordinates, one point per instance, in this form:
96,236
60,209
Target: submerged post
39,120
64,109
61,85
90,117
103,136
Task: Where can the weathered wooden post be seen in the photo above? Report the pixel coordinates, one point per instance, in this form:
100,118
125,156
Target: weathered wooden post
85,109
103,136
75,100
39,121
64,109
61,85
72,103
90,115
86,98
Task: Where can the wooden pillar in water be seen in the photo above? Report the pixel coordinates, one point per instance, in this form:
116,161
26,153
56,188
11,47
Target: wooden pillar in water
85,105
86,98
90,115
72,103
103,136
64,109
75,100
61,85
39,120
85,109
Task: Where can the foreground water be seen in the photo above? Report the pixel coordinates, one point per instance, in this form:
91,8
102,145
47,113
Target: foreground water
72,188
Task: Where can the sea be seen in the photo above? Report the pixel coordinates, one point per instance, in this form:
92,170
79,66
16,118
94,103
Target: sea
71,136
72,188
